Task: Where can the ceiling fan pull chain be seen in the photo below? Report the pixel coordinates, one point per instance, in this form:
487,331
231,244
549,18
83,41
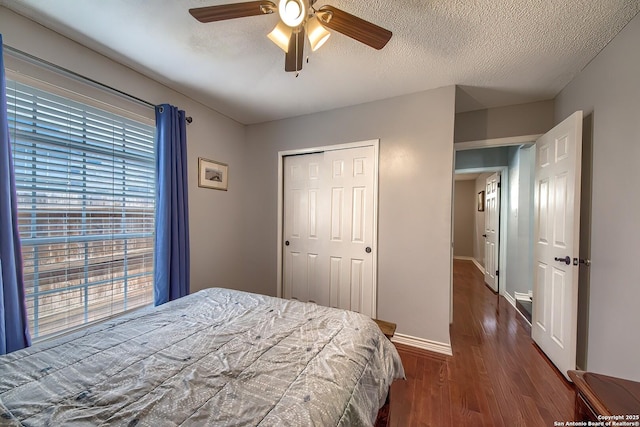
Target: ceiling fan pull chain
298,55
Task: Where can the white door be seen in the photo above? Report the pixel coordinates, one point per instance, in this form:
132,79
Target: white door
556,239
328,228
492,230
302,223
351,180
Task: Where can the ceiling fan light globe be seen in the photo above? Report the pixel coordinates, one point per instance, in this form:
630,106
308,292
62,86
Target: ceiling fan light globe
292,12
281,35
317,34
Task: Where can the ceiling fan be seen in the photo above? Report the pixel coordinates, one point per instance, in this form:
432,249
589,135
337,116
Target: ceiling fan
297,19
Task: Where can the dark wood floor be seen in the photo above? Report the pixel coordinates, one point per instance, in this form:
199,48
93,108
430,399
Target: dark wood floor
496,377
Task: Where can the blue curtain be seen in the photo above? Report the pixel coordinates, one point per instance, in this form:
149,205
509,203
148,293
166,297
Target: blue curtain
172,207
14,329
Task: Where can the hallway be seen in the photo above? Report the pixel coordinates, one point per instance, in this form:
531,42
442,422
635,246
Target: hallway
496,377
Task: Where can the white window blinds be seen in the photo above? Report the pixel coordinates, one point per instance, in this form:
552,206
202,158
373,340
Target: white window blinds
85,180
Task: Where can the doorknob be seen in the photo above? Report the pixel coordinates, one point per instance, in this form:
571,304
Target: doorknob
484,235
368,249
566,260
286,243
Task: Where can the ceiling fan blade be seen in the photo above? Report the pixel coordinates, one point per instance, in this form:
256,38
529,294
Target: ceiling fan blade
293,59
354,27
231,11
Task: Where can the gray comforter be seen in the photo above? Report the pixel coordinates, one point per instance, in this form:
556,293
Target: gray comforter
216,357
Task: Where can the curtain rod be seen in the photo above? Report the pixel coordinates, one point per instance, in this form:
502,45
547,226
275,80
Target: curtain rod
39,61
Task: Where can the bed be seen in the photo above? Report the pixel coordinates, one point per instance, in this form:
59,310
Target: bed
216,357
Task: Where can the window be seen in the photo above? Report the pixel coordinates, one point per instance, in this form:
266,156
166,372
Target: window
85,180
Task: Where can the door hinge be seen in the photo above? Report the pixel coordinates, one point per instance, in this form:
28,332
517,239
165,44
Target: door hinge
498,185
497,273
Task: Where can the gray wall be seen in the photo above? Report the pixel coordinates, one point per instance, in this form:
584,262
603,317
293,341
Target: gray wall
211,135
482,158
514,120
513,257
415,187
465,207
525,220
520,221
608,88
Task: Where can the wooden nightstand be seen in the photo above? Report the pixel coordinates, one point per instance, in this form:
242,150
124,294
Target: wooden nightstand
387,328
598,394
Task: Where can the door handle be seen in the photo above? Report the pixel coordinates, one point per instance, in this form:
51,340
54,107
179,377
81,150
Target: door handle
286,243
566,260
368,249
484,235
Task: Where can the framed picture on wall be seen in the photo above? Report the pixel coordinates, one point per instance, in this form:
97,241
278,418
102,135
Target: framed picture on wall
212,174
481,201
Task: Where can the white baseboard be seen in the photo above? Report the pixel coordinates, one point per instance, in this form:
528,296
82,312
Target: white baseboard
421,343
469,258
480,267
511,299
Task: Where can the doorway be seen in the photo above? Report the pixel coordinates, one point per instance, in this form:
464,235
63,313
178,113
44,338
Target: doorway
476,220
556,234
514,160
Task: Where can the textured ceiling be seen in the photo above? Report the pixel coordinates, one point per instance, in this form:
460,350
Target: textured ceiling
500,52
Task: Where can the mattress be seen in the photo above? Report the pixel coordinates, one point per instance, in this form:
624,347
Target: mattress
216,357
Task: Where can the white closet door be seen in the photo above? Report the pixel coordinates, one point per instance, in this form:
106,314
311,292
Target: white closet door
305,252
329,227
351,229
